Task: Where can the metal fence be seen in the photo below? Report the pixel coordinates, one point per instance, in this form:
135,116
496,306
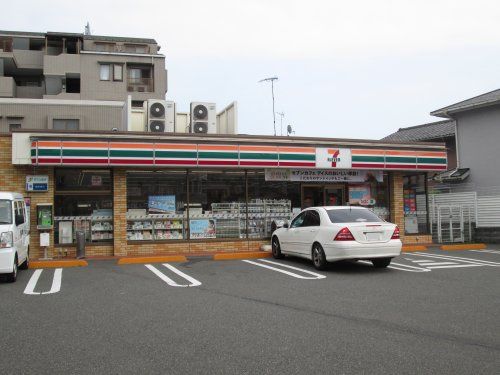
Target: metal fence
455,211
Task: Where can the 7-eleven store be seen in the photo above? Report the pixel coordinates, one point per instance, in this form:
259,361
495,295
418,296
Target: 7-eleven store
139,193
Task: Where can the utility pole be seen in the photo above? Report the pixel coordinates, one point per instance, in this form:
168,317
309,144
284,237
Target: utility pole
281,114
272,79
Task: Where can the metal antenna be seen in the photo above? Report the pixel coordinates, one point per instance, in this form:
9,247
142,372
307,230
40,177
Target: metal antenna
281,114
272,79
87,29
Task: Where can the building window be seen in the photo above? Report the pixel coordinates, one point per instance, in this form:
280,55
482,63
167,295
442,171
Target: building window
136,48
139,78
156,206
415,204
104,73
268,202
104,47
14,126
66,124
117,72
217,204
83,200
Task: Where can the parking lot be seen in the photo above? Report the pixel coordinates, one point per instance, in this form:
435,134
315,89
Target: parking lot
430,312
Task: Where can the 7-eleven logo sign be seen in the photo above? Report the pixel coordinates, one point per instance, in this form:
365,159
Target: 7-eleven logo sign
333,156
337,158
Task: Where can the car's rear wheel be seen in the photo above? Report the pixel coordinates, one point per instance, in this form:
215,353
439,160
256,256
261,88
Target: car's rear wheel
276,249
12,277
318,257
381,262
26,263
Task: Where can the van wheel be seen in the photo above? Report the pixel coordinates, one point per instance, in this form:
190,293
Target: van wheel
12,277
26,263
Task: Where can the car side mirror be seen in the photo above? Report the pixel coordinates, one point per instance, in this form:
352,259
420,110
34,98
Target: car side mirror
286,225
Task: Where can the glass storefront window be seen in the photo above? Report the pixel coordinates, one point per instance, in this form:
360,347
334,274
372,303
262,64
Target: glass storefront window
217,204
415,204
270,201
156,206
83,200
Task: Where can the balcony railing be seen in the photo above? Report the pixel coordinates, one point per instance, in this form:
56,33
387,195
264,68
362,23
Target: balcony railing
140,85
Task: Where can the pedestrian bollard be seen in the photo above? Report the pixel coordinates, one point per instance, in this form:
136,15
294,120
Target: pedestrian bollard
80,244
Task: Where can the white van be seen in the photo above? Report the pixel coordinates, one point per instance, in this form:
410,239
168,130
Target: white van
14,235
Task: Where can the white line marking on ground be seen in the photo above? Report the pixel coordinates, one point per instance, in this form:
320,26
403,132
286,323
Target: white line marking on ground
56,283
436,263
171,282
30,287
458,259
192,280
486,251
294,268
316,276
400,267
457,266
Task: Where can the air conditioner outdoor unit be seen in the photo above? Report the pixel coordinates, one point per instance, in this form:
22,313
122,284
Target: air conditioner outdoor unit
203,118
160,116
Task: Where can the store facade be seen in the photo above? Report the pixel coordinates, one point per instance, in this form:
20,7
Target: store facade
144,194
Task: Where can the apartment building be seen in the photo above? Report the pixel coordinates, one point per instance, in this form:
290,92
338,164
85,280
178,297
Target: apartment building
71,81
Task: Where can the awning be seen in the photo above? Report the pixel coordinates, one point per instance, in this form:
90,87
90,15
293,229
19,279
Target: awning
453,175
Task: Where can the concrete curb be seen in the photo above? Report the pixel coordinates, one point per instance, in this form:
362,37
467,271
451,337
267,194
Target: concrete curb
58,263
242,255
471,246
410,248
154,259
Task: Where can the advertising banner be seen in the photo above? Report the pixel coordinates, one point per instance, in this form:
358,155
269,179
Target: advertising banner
321,175
360,195
161,204
202,228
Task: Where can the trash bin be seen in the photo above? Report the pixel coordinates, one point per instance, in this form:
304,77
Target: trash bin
80,244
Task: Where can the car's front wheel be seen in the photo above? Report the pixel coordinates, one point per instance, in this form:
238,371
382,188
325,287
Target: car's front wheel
276,249
381,262
318,257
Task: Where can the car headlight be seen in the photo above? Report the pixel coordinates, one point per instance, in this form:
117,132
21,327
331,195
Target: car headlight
6,239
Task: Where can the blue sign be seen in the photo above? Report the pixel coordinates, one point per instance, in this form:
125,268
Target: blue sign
161,203
37,183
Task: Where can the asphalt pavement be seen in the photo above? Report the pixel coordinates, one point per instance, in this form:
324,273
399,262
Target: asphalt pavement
434,313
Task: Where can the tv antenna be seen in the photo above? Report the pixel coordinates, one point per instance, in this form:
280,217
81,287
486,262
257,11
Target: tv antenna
87,29
272,79
289,130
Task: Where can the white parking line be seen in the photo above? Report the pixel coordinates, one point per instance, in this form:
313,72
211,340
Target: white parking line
456,266
56,283
458,259
316,276
487,251
168,280
400,267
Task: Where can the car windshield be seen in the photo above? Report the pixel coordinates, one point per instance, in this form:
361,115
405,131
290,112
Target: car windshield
347,215
5,211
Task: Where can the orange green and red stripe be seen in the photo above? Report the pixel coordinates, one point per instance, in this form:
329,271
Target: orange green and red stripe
116,153
297,157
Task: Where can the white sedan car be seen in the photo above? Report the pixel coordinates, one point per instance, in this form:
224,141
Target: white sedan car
326,234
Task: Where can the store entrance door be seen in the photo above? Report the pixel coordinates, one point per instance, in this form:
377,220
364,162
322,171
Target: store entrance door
334,195
323,195
312,195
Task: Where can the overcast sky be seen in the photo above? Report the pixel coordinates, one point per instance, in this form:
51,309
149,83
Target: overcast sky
347,69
